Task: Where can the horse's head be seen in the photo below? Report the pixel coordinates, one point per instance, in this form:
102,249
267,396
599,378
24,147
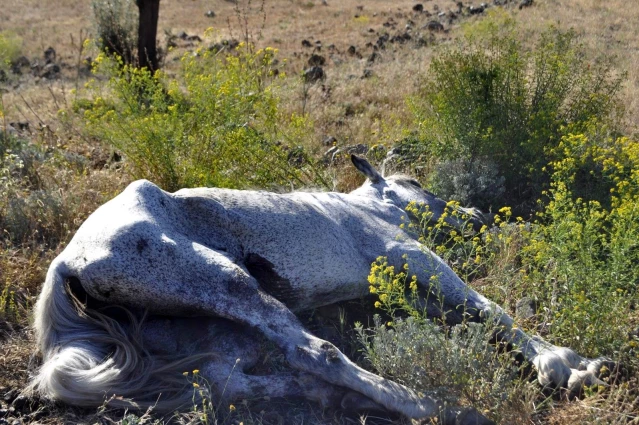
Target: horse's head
401,190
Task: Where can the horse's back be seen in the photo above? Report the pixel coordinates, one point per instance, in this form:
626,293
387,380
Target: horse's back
306,249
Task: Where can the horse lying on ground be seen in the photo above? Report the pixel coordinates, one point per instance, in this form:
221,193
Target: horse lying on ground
213,267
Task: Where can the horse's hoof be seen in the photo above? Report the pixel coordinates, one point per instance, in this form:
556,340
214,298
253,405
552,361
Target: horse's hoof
598,372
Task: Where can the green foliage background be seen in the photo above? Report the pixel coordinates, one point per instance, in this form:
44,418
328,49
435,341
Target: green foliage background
489,102
216,124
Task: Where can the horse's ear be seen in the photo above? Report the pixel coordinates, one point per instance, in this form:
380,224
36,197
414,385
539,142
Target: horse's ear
367,169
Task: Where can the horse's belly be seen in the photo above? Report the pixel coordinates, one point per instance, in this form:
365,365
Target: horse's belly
310,280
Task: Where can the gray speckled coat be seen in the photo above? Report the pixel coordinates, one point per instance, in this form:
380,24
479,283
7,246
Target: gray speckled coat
253,258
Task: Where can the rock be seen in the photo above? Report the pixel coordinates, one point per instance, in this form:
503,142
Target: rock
476,10
401,38
49,55
224,45
377,150
35,67
329,140
418,7
434,26
421,41
313,74
358,149
316,60
525,3
452,16
352,50
368,73
526,308
50,71
382,40
18,64
20,125
193,38
390,23
306,43
209,14
374,57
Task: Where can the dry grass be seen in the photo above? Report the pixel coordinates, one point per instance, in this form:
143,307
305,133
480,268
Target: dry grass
373,104
346,106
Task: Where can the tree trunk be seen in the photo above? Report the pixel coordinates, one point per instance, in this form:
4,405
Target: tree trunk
147,34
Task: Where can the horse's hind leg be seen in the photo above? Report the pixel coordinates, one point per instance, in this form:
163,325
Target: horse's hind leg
235,349
198,280
232,385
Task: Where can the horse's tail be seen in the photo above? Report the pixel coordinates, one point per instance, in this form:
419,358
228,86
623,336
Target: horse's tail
90,358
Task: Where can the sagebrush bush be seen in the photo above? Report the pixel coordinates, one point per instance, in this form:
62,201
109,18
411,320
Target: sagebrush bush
116,23
456,365
474,183
488,100
216,124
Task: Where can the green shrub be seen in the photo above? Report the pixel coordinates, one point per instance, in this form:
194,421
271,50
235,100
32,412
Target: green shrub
216,124
488,102
116,24
583,254
10,48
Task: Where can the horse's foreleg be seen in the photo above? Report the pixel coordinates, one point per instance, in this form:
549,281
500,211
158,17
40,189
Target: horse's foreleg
556,366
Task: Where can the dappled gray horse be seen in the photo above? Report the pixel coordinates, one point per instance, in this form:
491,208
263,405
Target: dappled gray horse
212,267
